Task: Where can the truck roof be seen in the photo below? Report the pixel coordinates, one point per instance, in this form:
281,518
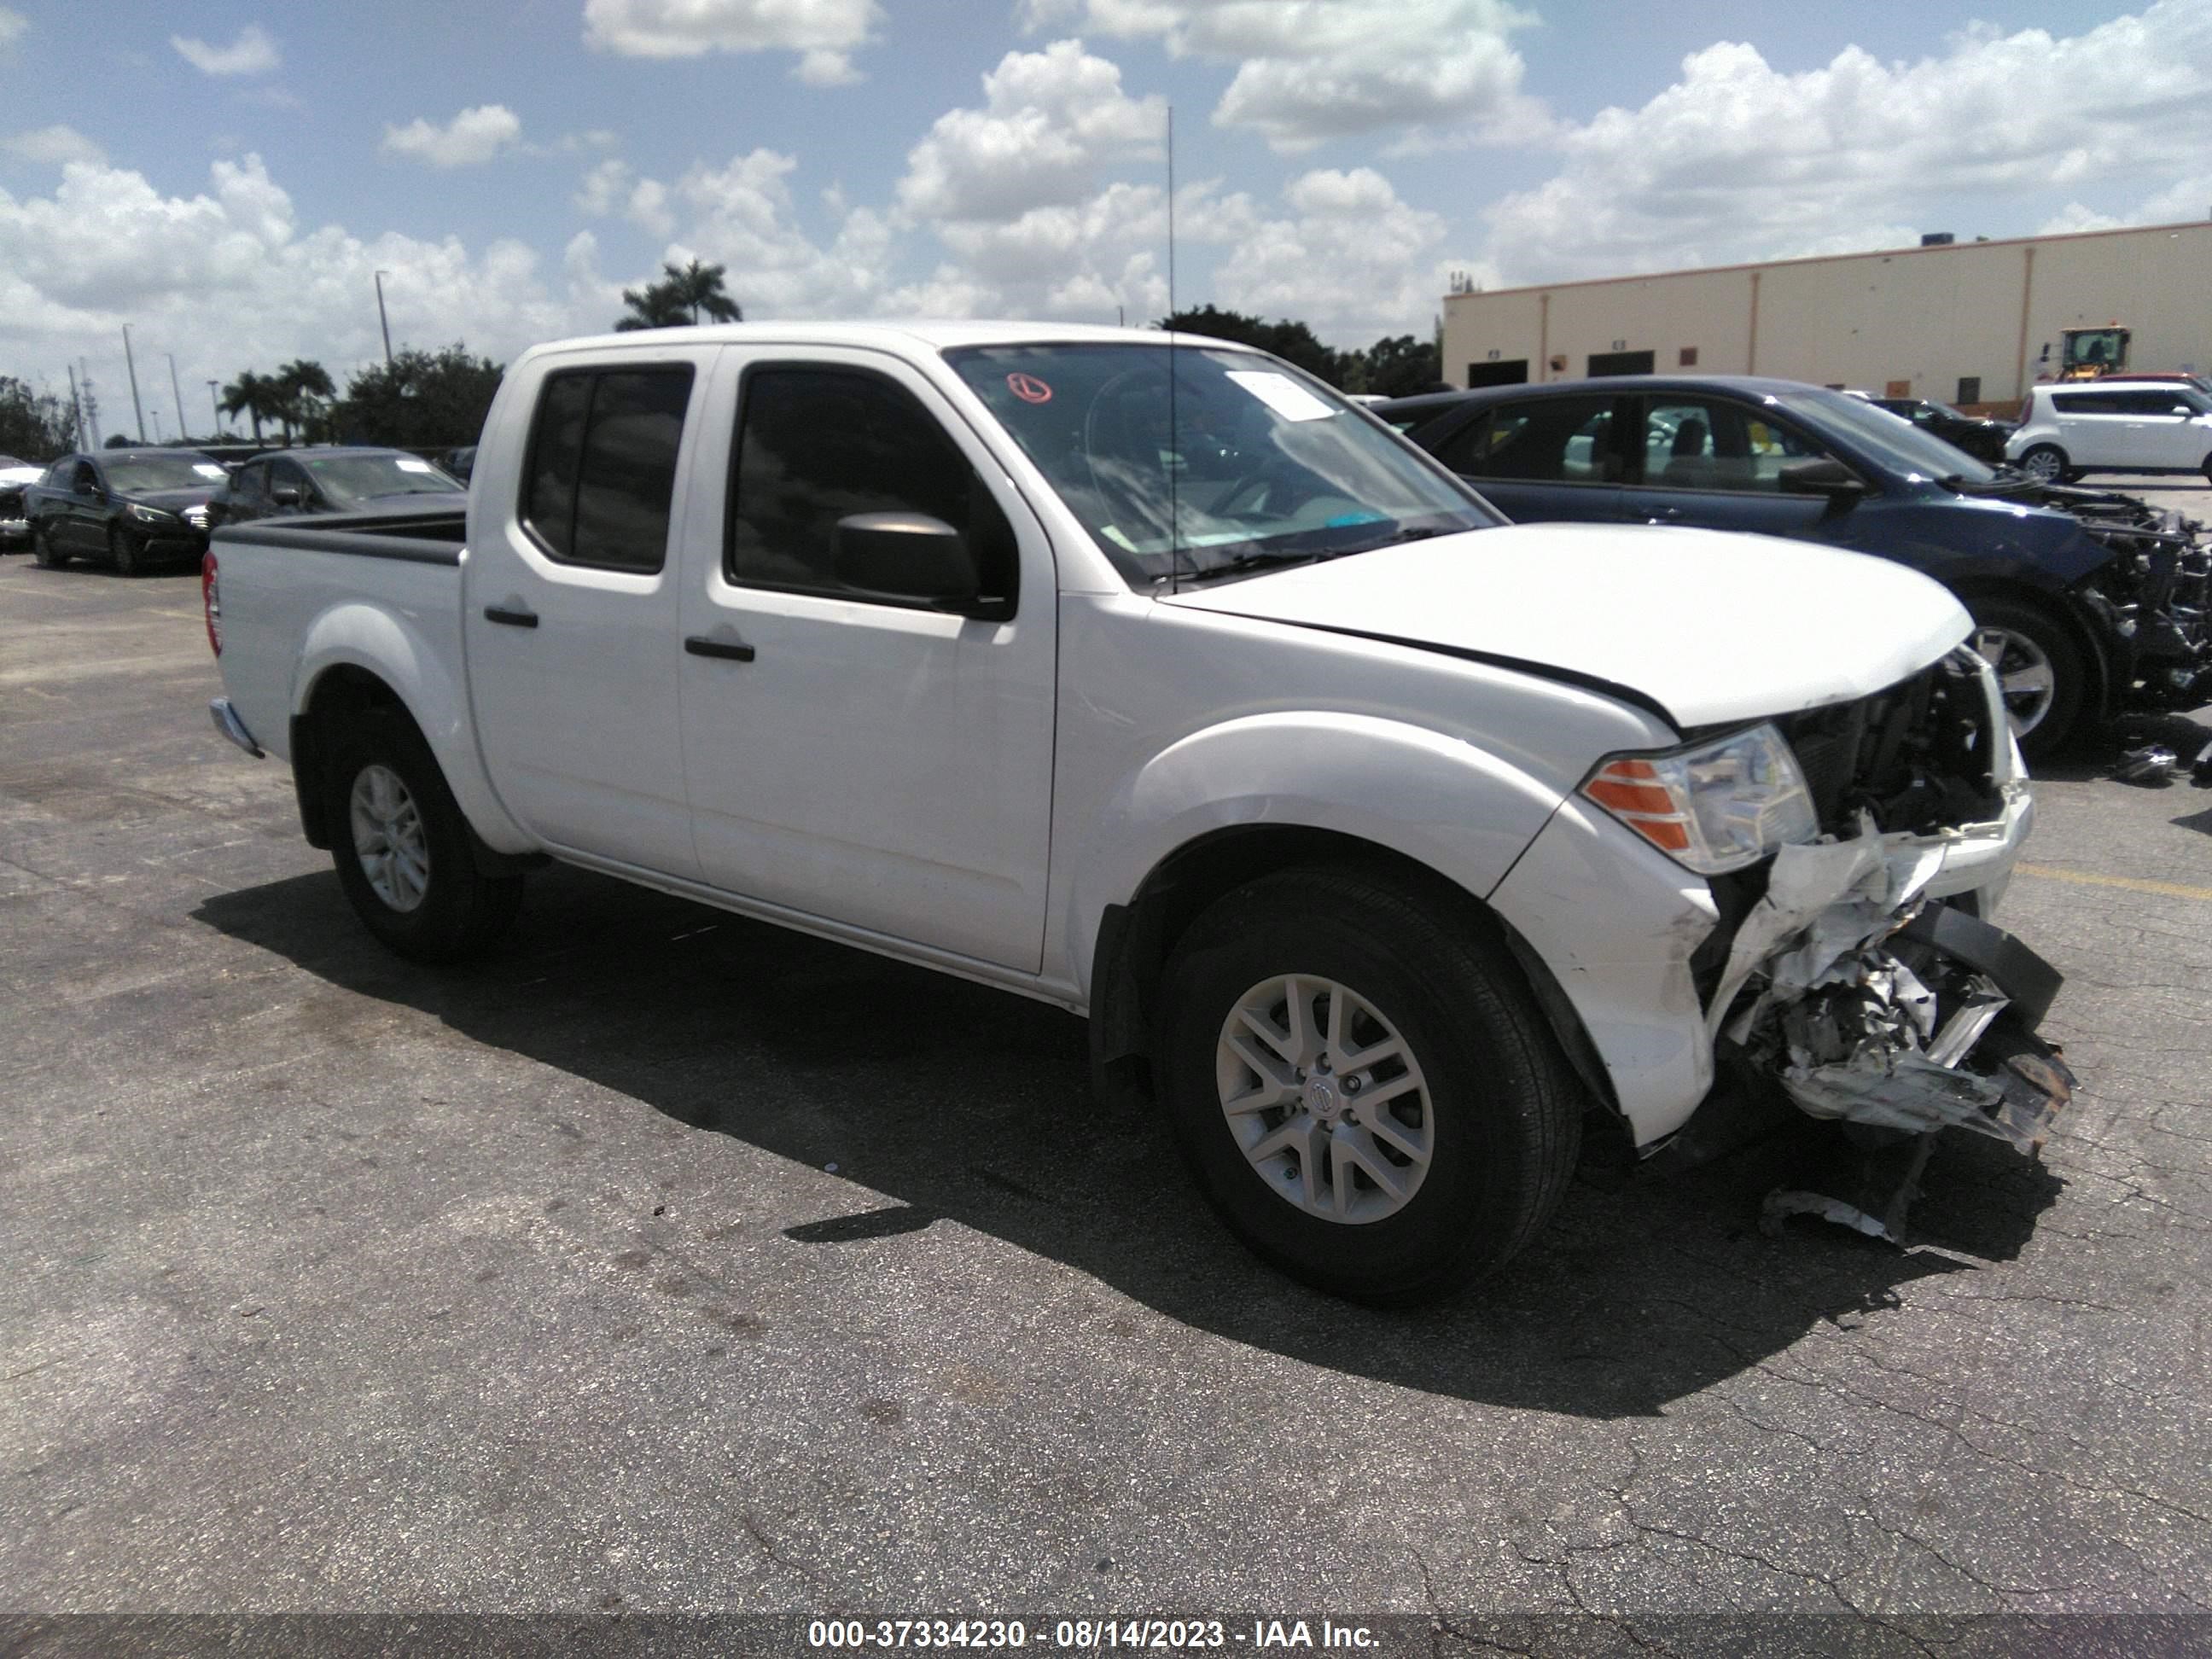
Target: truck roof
933,334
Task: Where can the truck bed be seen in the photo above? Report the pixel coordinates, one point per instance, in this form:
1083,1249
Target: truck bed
428,537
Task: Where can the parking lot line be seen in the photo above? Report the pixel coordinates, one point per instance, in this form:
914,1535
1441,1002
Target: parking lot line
2133,884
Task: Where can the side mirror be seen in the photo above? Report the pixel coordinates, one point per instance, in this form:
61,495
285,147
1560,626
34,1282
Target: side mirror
908,558
285,494
1824,476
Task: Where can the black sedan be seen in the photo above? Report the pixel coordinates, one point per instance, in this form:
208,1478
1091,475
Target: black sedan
1981,438
2088,603
133,507
349,479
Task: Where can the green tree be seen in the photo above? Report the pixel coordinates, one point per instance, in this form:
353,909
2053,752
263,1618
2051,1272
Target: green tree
679,298
34,426
257,396
1399,366
304,390
420,400
1294,342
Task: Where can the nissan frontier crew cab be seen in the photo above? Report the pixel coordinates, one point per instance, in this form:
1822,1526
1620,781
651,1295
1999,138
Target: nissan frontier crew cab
1379,840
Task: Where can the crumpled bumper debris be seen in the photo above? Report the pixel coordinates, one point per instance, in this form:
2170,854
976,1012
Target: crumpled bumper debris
1874,1006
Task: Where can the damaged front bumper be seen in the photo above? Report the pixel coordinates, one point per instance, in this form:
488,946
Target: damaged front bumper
1869,1003
2152,600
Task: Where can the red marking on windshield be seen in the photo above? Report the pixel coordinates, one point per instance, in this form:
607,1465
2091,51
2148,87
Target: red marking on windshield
1028,388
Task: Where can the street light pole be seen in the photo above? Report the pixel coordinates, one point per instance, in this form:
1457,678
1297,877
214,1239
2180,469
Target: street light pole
136,407
382,321
176,395
215,409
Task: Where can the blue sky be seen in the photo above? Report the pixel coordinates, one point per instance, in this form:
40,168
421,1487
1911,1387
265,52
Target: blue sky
226,177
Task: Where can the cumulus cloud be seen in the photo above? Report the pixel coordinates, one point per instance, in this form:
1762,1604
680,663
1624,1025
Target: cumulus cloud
1051,123
12,26
228,278
252,53
1310,71
55,146
824,33
1740,161
470,139
1352,259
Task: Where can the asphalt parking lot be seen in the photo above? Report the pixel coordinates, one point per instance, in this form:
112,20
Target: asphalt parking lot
669,1263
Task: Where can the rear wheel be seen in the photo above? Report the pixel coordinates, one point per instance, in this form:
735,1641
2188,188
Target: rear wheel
125,552
2046,462
1367,1092
402,847
2207,469
2039,670
43,551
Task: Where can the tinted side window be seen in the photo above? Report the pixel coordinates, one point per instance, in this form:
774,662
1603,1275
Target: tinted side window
1706,444
816,445
600,482
1556,441
2089,403
249,486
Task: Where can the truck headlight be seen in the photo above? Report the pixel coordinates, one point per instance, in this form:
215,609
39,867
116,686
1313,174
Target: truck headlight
151,514
1717,807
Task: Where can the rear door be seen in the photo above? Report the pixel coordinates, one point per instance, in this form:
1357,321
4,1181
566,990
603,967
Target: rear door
850,757
1708,460
1545,457
2105,429
570,609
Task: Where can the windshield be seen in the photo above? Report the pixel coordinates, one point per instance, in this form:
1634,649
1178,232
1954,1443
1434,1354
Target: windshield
1246,463
135,475
1896,443
348,480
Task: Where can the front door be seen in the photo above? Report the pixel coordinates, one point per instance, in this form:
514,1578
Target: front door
570,609
851,757
1713,462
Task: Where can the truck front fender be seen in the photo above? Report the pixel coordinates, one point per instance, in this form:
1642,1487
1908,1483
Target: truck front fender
368,637
1436,799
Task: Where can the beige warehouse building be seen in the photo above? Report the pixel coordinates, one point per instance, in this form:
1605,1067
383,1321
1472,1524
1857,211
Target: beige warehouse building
1963,322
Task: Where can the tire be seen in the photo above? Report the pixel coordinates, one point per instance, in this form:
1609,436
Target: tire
2207,469
44,553
2046,462
125,553
1481,1090
2032,651
384,790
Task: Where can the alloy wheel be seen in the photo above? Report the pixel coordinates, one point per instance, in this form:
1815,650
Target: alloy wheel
388,838
2024,675
1325,1098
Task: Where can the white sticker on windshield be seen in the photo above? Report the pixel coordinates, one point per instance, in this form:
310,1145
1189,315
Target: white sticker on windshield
414,466
208,470
1282,394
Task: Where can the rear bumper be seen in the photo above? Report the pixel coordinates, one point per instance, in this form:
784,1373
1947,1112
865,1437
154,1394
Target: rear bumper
228,722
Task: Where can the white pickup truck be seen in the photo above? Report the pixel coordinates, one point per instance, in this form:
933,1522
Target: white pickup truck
1380,842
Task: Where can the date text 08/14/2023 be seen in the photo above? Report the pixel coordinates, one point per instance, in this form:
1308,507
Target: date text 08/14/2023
1085,1634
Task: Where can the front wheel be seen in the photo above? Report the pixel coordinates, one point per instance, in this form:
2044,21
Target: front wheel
43,551
125,551
2039,671
2046,463
402,846
1367,1092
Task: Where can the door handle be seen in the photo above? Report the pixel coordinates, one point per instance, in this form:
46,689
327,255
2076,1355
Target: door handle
508,618
699,646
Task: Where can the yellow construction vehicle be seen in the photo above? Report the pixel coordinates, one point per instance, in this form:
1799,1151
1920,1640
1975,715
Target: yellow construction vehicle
2084,354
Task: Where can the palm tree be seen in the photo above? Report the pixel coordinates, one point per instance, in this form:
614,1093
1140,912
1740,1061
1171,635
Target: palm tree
256,396
679,297
302,386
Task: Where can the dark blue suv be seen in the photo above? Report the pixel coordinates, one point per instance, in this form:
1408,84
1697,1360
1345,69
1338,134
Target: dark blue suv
2088,603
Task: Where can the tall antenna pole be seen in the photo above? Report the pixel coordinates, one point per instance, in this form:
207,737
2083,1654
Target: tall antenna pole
1174,432
215,409
176,396
382,321
135,406
1172,209
76,410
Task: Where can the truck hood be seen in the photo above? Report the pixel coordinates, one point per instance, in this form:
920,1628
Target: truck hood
1705,625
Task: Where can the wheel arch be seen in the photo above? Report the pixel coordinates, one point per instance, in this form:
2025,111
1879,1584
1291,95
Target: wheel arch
346,691
1136,939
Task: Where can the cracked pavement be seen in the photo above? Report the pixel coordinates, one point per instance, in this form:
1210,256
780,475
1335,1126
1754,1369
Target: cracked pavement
669,1263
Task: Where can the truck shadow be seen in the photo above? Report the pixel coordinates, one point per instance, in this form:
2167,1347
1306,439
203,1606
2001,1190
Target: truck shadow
957,1101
